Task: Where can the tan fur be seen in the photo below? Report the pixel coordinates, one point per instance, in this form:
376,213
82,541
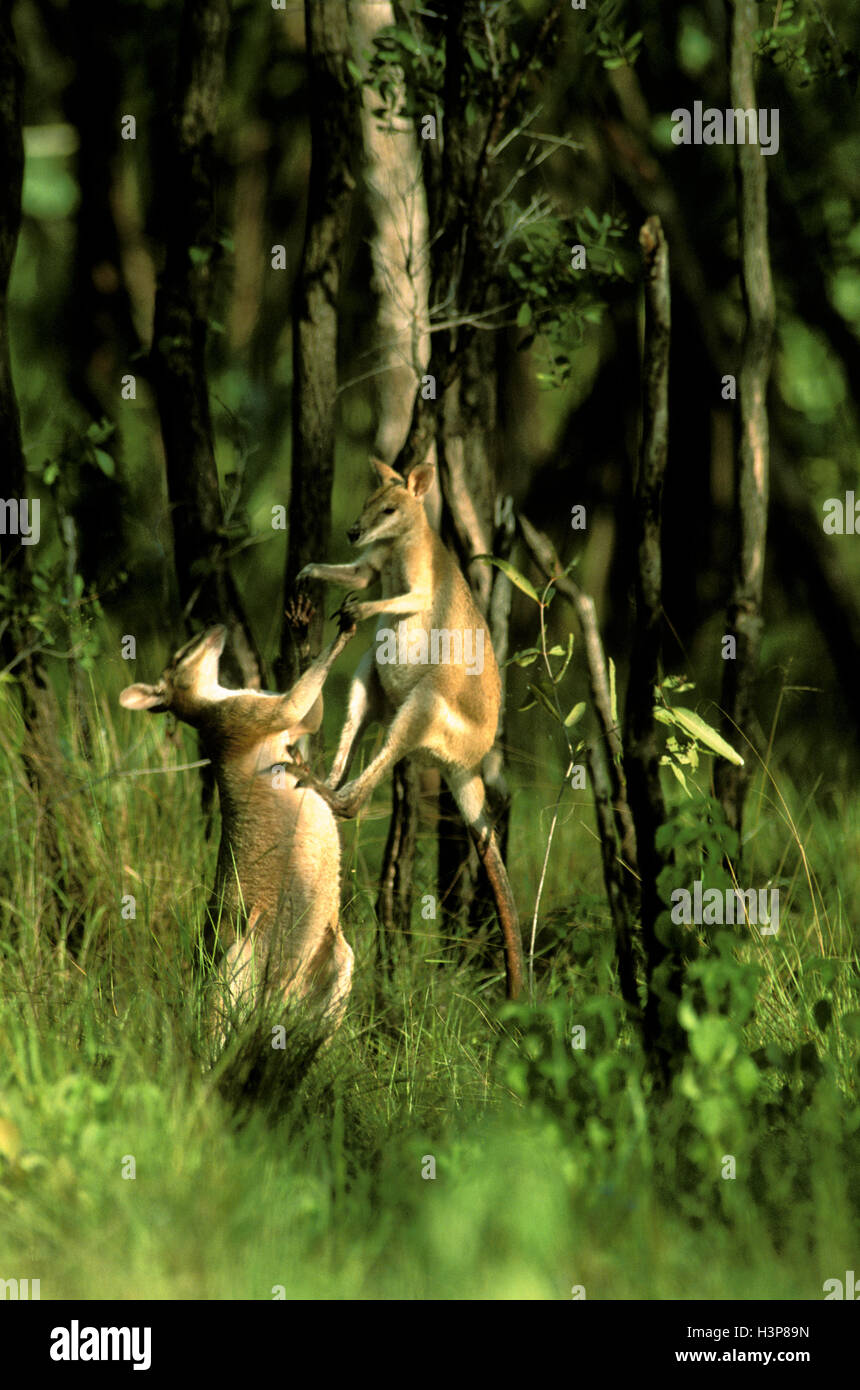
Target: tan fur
439,712
276,900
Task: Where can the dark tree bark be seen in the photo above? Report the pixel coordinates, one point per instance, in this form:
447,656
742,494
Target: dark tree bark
98,332
641,748
11,179
206,587
745,617
335,136
15,556
396,884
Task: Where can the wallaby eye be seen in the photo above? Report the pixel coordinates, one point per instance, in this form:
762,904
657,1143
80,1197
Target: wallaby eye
388,511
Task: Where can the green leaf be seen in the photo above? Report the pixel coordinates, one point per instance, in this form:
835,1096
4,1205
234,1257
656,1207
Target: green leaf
567,656
575,715
105,462
545,701
673,767
512,574
696,727
524,317
613,694
477,57
100,430
527,657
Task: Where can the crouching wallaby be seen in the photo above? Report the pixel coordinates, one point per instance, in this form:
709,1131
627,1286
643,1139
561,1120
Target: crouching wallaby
435,676
277,885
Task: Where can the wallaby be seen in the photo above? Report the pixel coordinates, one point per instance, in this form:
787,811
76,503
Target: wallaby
277,884
436,677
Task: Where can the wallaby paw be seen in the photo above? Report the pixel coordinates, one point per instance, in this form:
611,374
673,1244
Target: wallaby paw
351,612
299,611
345,618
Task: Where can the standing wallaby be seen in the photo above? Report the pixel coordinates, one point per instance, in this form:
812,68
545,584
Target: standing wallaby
277,885
435,677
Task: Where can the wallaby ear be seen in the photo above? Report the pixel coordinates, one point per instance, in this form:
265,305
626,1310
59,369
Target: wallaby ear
420,480
386,472
311,722
216,637
141,696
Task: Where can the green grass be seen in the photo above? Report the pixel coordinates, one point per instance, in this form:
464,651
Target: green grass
554,1168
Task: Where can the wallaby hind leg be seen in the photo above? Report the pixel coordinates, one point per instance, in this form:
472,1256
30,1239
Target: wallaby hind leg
365,704
405,734
469,793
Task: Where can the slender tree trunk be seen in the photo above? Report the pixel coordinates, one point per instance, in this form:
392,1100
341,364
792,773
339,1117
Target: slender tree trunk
206,587
745,616
334,120
642,754
396,884
11,178
14,637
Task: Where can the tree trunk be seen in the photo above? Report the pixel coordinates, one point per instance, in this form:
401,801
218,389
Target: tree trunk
745,617
207,591
641,750
396,884
14,636
11,178
334,123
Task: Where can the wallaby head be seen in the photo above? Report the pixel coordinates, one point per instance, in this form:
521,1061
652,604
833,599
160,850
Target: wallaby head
396,509
187,684
189,687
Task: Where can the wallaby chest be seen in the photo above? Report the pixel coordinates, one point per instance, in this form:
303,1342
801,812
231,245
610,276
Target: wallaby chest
401,639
